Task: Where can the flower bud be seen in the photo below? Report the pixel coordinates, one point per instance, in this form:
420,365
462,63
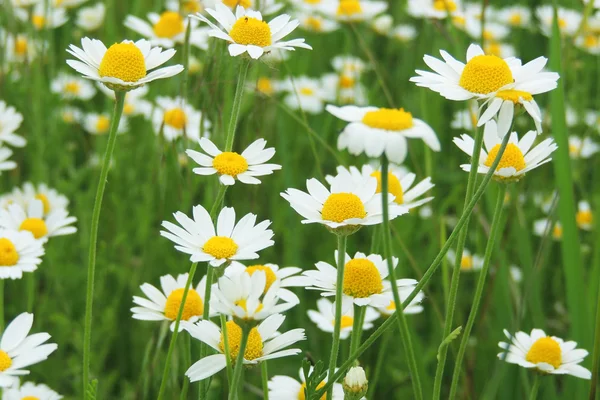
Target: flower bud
355,384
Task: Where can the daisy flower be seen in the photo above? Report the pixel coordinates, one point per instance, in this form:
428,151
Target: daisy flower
516,16
345,88
5,163
11,121
123,66
547,354
99,124
568,20
41,18
349,64
50,198
518,158
282,387
30,391
164,305
582,148
231,166
324,318
175,118
286,277
414,307
33,219
247,32
493,31
19,48
230,241
187,6
168,29
316,23
404,33
468,263
264,343
19,252
584,216
382,24
91,18
498,49
541,226
310,6
267,7
70,115
353,10
437,9
589,41
375,131
349,204
19,350
71,87
305,93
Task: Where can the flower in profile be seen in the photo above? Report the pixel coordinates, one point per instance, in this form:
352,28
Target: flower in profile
231,166
469,262
175,118
247,32
376,131
282,387
307,94
71,87
547,354
543,227
519,157
436,9
515,16
569,21
353,10
33,219
30,391
99,124
123,66
324,318
584,216
230,241
91,18
355,383
168,29
42,17
11,121
19,350
313,22
582,148
164,305
19,252
51,199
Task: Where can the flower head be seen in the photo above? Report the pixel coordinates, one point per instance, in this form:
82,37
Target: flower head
71,87
282,387
32,218
353,10
10,121
91,18
324,318
168,29
175,118
19,252
30,391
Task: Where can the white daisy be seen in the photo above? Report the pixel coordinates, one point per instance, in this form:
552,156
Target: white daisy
267,7
19,48
382,24
310,6
19,350
264,343
349,64
305,93
316,23
123,66
99,124
547,354
186,7
70,115
349,203
50,198
282,387
32,219
30,391
42,18
353,10
247,32
91,18
175,118
589,41
499,49
584,216
10,121
414,307
19,252
324,318
541,226
164,305
344,88
230,241
518,158
514,16
375,131
468,263
286,277
582,148
493,31
437,9
71,87
404,33
568,20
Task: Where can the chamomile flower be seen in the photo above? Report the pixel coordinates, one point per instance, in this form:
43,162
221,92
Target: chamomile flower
305,93
33,219
19,252
264,343
42,18
465,119
70,115
349,64
498,49
19,350
493,31
229,241
99,124
543,226
310,6
5,163
163,304
515,16
324,318
584,216
168,29
349,204
71,87
469,262
582,148
50,198
267,7
175,118
186,7
19,48
282,387
286,277
375,131
437,9
231,166
382,24
353,10
568,20
266,86
414,307
404,33
123,66
30,391
316,23
518,158
10,121
247,32
547,354
589,40
344,88
91,18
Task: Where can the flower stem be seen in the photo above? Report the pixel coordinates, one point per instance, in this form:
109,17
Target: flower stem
535,388
596,352
188,363
226,347
87,332
163,384
237,104
400,317
265,379
206,311
357,325
335,345
237,372
489,249
186,59
1,305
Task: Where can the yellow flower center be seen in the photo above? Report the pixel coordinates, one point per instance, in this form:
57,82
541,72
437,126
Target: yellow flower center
342,206
302,394
102,124
349,7
30,398
242,303
485,74
21,46
557,232
169,25
394,186
514,95
235,3
584,217
254,346
545,350
220,247
123,61
466,263
72,87
361,278
444,5
191,6
346,82
193,306
175,118
248,30
591,41
312,1
458,20
512,157
515,19
314,23
271,277
307,91
390,119
128,109
562,23
38,21
5,361
346,322
391,306
265,86
230,163
8,253
46,203
493,48
37,226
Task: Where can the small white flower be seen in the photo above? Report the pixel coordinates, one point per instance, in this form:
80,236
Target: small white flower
316,23
71,115
468,262
404,33
349,64
355,382
514,16
168,29
33,219
437,9
582,148
542,226
19,48
19,252
584,216
568,20
516,274
175,118
91,18
344,88
30,390
286,277
382,24
282,387
305,93
10,121
353,10
324,318
42,18
99,124
71,87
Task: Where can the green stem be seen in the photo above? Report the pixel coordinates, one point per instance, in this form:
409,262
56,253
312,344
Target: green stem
186,60
163,384
30,281
265,379
535,388
188,362
237,372
217,204
335,345
1,305
226,347
400,317
206,311
87,333
489,249
237,103
357,325
596,353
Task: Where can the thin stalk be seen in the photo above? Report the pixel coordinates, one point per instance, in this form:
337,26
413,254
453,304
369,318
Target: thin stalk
226,346
536,387
335,345
237,103
217,204
237,372
206,311
163,384
400,317
30,282
1,305
265,379
596,353
489,249
186,60
188,362
357,325
89,299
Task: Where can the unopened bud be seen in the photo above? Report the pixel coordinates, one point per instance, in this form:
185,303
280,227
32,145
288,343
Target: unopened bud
355,384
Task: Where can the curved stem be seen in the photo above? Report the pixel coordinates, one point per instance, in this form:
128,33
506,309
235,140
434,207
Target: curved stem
163,384
265,379
237,372
489,249
89,298
400,317
357,325
535,388
237,103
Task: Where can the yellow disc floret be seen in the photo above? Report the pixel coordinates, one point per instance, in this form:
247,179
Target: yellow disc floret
243,303
124,61
230,163
485,74
466,263
514,95
390,119
512,157
346,82
361,278
444,5
5,361
264,85
37,226
21,46
314,23
102,124
515,19
175,118
169,25
235,3
394,186
306,91
38,21
220,247
72,87
557,232
8,253
45,202
30,398
342,206
193,306
270,275
248,30
302,394
545,350
254,346
349,7
346,322
584,217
